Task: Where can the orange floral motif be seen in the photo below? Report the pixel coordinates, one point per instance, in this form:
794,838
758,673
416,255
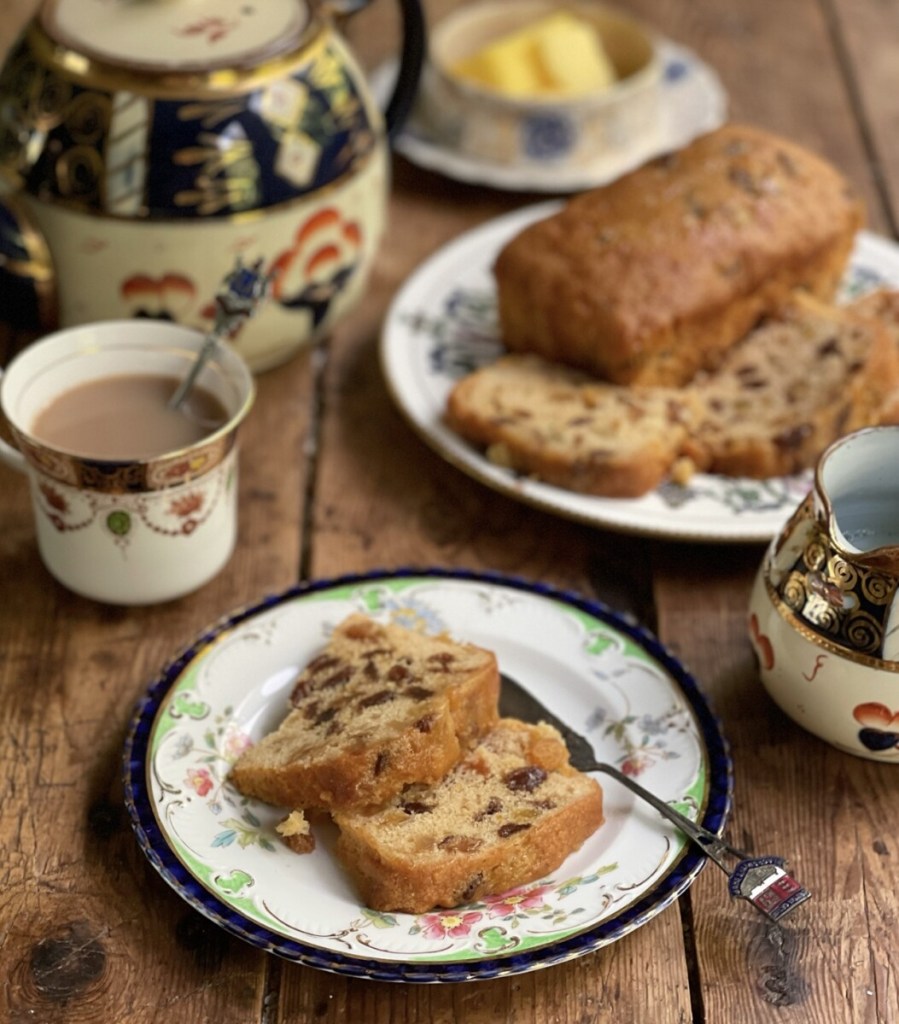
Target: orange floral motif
214,29
54,499
166,297
879,726
318,266
185,468
876,716
762,643
187,505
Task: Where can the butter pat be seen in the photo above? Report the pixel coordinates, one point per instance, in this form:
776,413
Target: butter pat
559,55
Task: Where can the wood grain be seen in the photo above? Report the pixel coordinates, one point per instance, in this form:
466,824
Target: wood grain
333,480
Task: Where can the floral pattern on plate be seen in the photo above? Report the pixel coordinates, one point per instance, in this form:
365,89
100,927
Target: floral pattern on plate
601,672
443,324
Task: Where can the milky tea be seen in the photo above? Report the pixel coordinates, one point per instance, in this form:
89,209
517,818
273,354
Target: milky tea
127,416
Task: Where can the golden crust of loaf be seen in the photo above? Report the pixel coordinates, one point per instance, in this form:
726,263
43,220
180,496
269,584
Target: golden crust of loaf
784,393
567,429
653,277
510,812
382,706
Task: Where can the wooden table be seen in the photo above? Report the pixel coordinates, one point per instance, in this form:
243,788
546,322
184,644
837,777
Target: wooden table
334,481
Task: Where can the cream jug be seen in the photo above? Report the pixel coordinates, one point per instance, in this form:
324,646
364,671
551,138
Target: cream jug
145,146
824,615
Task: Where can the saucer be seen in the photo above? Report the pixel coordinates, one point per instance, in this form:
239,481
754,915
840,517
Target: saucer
692,99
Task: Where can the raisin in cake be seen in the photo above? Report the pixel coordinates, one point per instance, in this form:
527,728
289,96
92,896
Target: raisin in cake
567,429
510,812
380,707
653,277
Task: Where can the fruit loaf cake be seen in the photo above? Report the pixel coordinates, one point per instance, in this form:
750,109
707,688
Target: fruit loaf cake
791,388
510,812
381,706
567,429
784,393
653,277
882,305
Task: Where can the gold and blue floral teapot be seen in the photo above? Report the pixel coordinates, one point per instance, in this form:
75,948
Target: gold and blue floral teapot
144,146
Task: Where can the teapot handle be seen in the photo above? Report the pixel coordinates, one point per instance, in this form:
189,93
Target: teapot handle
412,56
411,62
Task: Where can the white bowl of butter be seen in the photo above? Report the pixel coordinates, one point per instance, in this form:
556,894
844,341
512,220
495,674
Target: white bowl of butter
541,83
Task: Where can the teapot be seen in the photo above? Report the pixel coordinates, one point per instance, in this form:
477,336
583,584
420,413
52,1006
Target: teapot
144,146
824,608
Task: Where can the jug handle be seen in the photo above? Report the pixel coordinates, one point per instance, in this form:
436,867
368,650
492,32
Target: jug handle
412,56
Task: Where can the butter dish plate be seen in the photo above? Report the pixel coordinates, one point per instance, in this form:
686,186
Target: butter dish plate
615,682
442,324
692,101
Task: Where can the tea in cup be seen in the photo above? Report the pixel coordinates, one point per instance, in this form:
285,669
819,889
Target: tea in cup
134,502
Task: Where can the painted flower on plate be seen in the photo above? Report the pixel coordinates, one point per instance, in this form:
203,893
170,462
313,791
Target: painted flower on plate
517,900
234,743
199,780
452,924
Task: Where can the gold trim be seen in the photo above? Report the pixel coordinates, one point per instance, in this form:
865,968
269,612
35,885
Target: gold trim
151,82
794,622
320,194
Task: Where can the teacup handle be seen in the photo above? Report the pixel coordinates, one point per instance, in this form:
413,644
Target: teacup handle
9,455
412,56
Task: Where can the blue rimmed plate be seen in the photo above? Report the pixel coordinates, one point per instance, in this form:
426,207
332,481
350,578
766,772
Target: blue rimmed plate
596,669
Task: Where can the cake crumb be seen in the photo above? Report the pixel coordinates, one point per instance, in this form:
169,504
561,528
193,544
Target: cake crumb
682,471
296,832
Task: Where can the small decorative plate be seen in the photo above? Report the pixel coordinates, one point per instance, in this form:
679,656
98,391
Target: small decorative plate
693,101
442,325
595,669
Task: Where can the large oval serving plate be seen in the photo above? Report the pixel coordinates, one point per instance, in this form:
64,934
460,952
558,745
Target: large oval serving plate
443,324
595,669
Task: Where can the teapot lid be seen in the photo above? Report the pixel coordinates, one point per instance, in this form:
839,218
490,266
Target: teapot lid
176,35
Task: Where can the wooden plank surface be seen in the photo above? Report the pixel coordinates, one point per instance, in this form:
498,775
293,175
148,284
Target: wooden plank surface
333,480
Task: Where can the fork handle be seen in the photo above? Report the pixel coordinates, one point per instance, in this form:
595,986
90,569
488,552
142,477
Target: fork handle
715,847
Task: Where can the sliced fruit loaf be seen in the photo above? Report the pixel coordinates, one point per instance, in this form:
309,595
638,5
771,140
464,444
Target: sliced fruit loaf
380,707
510,812
565,428
791,388
784,393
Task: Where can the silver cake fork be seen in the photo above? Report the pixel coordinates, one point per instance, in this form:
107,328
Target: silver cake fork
763,881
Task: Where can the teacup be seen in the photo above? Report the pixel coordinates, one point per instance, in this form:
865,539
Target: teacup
127,529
